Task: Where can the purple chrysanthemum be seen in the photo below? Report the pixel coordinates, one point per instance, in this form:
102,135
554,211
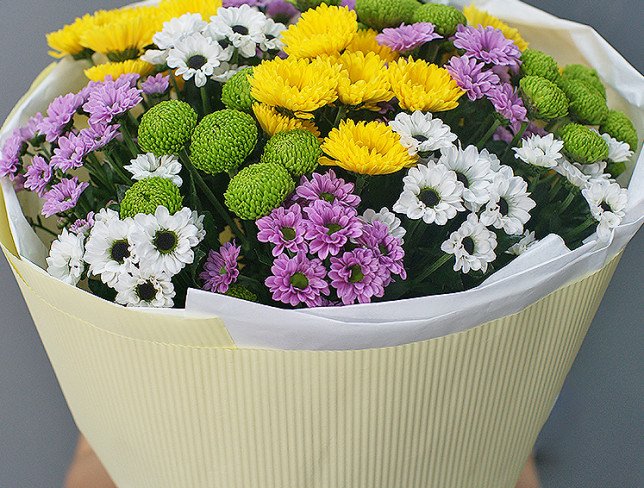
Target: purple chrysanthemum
284,228
508,103
30,130
407,37
12,151
97,136
156,85
59,116
327,187
471,76
387,248
63,196
282,11
357,275
351,4
110,99
329,227
38,175
487,44
220,270
70,152
19,183
298,280
83,226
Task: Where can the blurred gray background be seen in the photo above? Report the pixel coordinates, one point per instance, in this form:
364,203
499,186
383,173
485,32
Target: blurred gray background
593,438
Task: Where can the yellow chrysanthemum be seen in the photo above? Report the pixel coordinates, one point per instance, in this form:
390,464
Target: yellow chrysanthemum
476,17
101,71
363,80
419,85
170,9
365,42
68,39
272,122
324,30
371,148
300,86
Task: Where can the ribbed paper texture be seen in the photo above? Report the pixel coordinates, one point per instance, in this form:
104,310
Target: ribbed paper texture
461,411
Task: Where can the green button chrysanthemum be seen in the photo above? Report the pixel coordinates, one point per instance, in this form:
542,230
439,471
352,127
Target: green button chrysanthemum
241,292
582,144
619,126
445,18
297,150
587,105
543,98
236,91
386,13
538,63
258,189
148,194
589,75
222,141
166,128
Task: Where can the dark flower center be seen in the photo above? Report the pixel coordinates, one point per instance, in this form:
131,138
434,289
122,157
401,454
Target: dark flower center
429,197
504,208
146,291
356,275
420,138
463,179
329,197
120,251
197,61
288,233
468,245
299,281
240,29
605,207
224,43
333,228
165,241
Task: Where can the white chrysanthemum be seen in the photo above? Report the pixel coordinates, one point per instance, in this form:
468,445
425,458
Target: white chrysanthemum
164,242
472,245
618,152
527,241
272,36
65,261
242,27
593,171
149,165
510,204
572,173
430,192
542,151
197,221
155,56
143,288
177,29
109,250
421,133
607,202
388,218
473,171
493,159
197,57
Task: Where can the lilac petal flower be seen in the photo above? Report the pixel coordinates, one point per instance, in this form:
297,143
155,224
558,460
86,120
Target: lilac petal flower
387,248
282,11
357,275
327,187
38,175
298,280
110,99
59,116
30,130
70,152
19,183
83,226
330,226
508,103
220,270
487,44
408,37
97,136
283,227
156,85
63,196
471,76
12,151
350,4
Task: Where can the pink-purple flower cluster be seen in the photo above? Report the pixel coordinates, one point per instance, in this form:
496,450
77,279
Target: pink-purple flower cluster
63,196
112,98
408,37
221,269
487,44
472,76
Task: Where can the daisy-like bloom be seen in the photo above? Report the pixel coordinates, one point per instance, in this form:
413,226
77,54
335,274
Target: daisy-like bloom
197,221
83,226
473,170
324,30
148,165
472,245
142,288
572,173
363,80
272,40
97,136
527,241
431,192
540,151
387,248
66,41
60,115
105,71
63,196
156,85
419,85
65,260
510,204
366,41
472,76
221,269
357,275
478,17
408,37
197,57
327,187
487,44
111,99
12,150
607,202
284,228
298,280
508,103
298,85
70,152
38,175
272,122
242,27
164,242
421,132
388,218
618,152
177,29
594,171
109,251
329,227
370,148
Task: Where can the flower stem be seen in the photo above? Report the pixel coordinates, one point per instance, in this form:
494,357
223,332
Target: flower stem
340,116
515,140
127,137
566,203
579,229
439,263
205,103
488,134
